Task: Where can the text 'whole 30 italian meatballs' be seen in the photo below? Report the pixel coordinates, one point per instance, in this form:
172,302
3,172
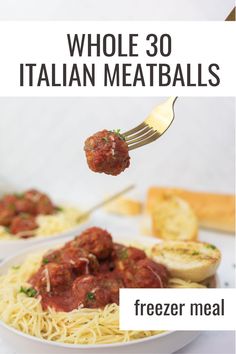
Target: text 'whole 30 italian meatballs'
107,152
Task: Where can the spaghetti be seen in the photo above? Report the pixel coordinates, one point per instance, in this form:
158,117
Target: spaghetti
49,225
80,326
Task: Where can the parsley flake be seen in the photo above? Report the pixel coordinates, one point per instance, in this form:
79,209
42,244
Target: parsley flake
30,292
123,254
58,208
90,296
195,253
118,133
105,139
19,195
211,246
16,267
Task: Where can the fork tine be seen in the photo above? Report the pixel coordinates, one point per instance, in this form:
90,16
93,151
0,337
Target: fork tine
145,141
156,124
135,130
142,137
140,133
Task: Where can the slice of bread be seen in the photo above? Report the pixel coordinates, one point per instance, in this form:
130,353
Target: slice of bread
124,206
191,261
174,219
214,211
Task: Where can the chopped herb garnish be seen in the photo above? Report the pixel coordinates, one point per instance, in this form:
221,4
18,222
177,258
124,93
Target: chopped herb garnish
30,292
7,229
58,208
123,254
11,207
45,260
19,195
211,246
90,296
105,139
16,267
195,253
118,133
24,216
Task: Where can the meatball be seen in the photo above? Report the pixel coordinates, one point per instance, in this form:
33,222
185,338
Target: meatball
145,274
9,199
7,213
79,260
90,293
24,205
43,203
107,265
45,206
53,257
53,278
107,152
112,282
96,241
124,257
33,195
21,223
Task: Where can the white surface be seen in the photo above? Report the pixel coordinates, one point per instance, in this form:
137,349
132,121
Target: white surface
41,145
115,10
218,342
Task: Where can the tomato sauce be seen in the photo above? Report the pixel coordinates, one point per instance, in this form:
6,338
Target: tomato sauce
88,272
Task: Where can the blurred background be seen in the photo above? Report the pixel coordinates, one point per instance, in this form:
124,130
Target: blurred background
41,145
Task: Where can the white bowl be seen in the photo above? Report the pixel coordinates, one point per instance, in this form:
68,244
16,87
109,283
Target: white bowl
164,343
10,247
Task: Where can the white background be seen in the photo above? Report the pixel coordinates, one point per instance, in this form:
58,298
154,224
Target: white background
207,163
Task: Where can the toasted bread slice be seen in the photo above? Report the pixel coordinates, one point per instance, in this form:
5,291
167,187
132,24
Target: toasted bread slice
124,206
174,219
214,211
192,261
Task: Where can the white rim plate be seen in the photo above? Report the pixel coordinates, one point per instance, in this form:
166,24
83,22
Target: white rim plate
20,256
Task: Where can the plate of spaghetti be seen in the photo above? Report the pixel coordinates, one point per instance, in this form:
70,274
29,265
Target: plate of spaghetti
31,216
67,295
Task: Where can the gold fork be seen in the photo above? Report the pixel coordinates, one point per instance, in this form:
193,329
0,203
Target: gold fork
156,124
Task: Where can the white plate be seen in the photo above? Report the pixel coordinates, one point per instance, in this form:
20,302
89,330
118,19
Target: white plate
10,247
164,343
